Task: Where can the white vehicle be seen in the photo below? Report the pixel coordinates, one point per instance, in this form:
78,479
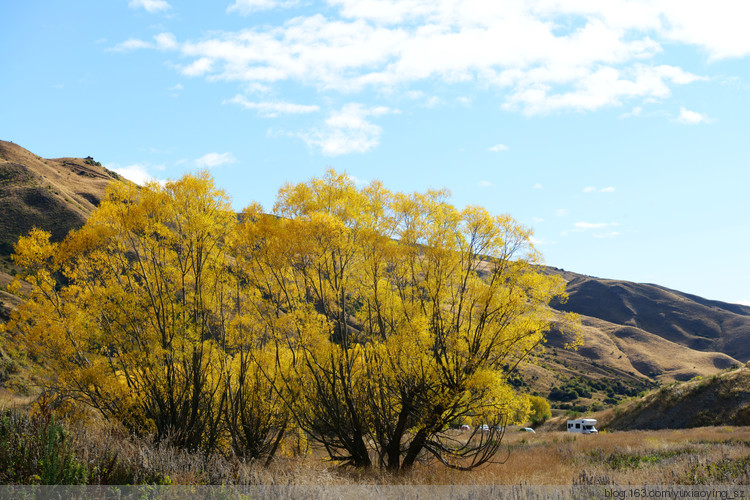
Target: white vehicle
583,426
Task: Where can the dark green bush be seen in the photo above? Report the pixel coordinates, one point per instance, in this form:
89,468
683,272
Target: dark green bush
37,450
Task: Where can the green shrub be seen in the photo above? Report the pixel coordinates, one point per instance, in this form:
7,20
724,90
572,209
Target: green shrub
7,368
37,450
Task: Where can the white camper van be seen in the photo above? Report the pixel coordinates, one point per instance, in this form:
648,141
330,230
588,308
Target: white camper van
583,426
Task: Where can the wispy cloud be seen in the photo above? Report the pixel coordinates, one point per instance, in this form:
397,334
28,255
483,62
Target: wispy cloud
162,41
607,234
198,67
356,180
585,226
137,172
132,44
691,117
348,130
274,108
175,90
484,184
211,160
607,59
598,229
498,147
636,111
562,212
165,41
594,189
538,186
150,5
246,7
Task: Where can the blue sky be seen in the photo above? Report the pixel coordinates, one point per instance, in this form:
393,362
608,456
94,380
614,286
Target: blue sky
616,129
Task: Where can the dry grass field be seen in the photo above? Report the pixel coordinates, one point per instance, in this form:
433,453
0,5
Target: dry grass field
700,456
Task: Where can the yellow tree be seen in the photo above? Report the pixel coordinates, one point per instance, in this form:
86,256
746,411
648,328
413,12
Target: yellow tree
396,315
141,317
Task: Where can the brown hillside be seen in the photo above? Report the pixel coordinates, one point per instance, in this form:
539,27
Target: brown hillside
53,194
690,321
644,353
722,399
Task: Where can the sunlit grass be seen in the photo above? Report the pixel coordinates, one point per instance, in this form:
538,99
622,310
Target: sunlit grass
709,455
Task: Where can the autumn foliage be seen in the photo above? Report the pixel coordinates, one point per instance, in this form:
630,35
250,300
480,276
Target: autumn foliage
361,320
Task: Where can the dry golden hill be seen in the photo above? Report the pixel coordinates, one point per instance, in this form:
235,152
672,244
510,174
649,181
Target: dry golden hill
636,337
53,194
720,399
687,320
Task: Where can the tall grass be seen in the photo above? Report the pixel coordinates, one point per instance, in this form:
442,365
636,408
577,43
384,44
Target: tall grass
37,448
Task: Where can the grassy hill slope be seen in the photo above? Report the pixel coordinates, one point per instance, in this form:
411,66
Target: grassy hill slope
721,399
690,321
56,195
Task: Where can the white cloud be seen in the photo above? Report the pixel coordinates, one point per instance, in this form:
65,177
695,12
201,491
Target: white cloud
214,160
691,117
484,184
175,90
498,147
608,234
162,41
584,226
536,241
718,27
385,43
744,302
166,41
348,130
432,101
150,5
132,44
537,186
356,180
137,173
198,67
636,111
537,220
594,88
246,7
547,56
594,189
272,109
562,212
602,229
